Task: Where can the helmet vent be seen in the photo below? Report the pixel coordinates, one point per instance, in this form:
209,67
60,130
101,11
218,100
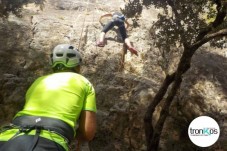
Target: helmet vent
65,54
59,54
71,55
71,47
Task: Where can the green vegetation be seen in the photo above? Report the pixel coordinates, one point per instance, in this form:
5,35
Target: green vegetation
184,26
15,6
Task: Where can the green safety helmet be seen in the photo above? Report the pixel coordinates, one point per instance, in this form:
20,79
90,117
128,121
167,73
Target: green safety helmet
65,54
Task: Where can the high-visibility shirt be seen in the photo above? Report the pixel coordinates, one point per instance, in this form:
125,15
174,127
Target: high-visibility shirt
60,95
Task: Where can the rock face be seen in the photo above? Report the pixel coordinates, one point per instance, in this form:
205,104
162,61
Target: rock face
123,94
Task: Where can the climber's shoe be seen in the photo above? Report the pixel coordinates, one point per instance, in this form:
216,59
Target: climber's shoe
100,44
133,50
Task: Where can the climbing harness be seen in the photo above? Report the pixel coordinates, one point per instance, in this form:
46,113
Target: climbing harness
83,25
45,123
27,124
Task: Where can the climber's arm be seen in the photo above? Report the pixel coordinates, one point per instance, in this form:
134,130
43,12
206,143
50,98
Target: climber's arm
87,126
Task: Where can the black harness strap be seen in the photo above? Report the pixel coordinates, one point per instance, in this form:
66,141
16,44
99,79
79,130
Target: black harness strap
45,123
25,130
26,124
22,130
6,127
35,140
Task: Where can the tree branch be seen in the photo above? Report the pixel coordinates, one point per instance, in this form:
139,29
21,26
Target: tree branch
164,113
221,9
220,17
151,108
183,66
208,37
177,16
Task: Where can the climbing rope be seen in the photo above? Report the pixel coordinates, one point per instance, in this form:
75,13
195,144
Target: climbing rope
93,22
94,30
124,51
83,25
78,144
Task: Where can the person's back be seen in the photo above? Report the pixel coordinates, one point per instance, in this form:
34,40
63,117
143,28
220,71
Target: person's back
54,96
54,103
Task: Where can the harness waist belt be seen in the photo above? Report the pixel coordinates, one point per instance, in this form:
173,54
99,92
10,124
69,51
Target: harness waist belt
46,123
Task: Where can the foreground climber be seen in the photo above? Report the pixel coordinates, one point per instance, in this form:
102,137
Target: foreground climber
118,20
54,104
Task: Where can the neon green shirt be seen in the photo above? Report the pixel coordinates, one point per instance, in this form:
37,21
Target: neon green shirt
60,95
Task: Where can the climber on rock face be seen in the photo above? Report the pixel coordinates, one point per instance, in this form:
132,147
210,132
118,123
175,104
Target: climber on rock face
119,20
55,105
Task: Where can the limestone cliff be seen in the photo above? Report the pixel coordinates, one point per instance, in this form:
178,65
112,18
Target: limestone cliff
122,93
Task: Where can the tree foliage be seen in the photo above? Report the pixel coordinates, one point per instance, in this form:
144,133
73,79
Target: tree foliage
187,25
132,8
187,21
15,6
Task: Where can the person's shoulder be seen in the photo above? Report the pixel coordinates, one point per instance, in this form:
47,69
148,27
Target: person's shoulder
65,75
73,76
79,76
42,77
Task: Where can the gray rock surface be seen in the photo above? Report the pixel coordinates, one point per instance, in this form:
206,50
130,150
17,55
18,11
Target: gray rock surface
122,94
